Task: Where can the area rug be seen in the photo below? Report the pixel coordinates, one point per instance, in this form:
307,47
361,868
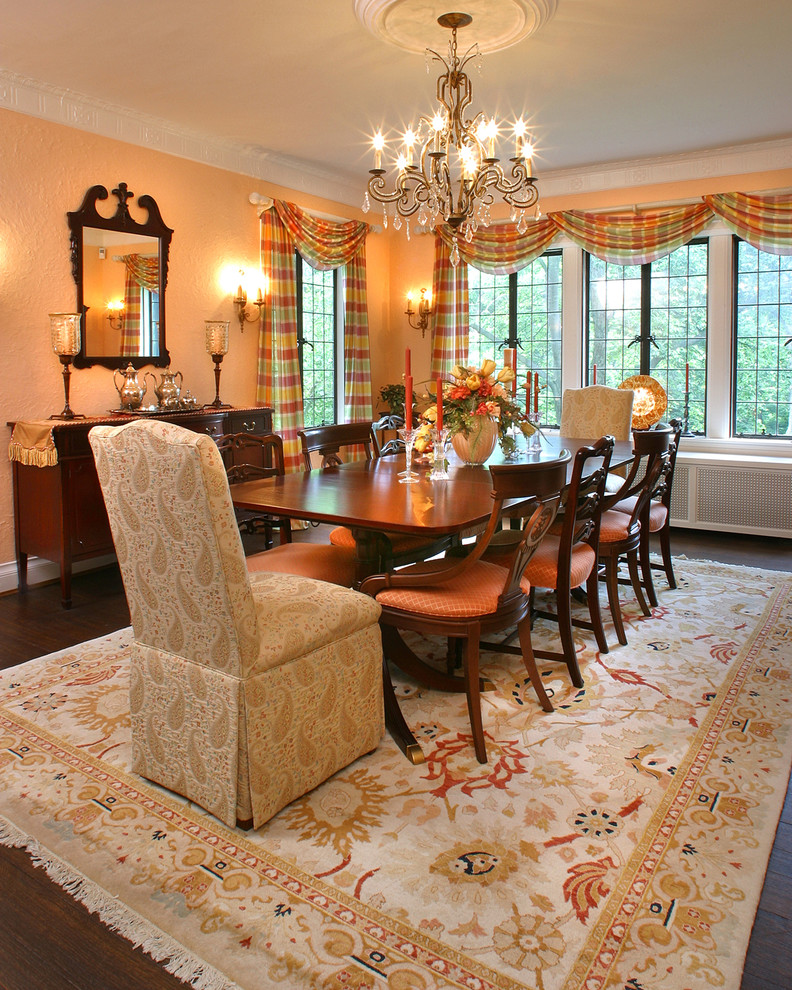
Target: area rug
619,841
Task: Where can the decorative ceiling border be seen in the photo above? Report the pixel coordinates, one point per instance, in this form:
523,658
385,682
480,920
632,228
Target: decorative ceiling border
61,106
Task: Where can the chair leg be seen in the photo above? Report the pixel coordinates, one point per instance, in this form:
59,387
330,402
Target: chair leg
564,613
665,548
524,630
635,578
612,584
646,569
595,612
471,666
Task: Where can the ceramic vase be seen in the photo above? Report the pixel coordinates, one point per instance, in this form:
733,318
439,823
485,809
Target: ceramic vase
478,445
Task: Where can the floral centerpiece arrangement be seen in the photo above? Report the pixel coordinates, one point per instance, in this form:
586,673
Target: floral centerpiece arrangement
476,402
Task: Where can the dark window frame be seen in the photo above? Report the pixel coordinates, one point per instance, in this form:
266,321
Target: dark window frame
303,342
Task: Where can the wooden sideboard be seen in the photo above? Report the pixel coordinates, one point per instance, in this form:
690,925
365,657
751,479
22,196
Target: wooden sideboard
59,511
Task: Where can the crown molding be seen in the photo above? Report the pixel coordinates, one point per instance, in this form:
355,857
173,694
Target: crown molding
63,106
763,156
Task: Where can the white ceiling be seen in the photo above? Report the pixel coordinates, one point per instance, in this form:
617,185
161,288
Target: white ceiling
601,81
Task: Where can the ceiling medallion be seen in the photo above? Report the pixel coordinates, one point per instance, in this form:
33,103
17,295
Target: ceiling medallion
446,168
499,23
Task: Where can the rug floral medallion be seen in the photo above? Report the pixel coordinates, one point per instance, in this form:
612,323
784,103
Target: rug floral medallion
617,842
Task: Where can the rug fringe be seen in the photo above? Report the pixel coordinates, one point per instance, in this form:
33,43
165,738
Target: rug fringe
162,948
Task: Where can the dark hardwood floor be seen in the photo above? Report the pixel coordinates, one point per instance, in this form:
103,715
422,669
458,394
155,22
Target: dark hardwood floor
50,942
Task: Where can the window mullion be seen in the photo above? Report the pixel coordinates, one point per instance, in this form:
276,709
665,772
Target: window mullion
646,318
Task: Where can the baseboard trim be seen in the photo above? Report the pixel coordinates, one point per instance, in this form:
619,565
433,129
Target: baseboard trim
40,571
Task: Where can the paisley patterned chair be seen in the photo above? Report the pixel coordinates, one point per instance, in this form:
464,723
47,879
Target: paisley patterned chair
246,691
597,411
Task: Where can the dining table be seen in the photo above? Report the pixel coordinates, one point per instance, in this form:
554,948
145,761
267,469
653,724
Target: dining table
369,498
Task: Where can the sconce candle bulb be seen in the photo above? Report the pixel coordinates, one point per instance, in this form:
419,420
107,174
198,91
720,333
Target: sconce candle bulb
424,311
259,302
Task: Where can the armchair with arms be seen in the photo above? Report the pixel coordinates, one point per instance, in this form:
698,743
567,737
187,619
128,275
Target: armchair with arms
466,598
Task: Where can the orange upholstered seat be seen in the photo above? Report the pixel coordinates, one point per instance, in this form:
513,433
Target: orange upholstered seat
474,592
314,560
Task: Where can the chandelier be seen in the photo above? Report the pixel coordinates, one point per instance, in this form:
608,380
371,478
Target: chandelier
447,169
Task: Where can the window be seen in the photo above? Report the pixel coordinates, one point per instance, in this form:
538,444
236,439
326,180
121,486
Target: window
149,321
762,392
317,307
652,320
522,310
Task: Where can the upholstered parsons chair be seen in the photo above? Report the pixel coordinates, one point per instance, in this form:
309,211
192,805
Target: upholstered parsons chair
245,691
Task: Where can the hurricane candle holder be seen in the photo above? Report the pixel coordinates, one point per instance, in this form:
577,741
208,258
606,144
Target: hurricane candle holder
65,336
535,439
439,470
408,476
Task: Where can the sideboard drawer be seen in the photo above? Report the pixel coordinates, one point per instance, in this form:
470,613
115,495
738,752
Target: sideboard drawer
250,421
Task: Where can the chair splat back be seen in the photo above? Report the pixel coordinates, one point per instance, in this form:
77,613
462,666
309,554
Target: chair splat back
328,441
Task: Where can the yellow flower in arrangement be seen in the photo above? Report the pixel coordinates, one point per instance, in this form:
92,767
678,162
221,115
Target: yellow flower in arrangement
479,392
423,438
476,392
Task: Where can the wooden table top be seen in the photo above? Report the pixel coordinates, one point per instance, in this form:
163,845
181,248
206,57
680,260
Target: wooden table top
367,494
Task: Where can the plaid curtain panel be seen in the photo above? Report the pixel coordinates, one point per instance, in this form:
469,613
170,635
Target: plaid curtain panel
764,221
450,295
357,350
633,240
130,327
278,377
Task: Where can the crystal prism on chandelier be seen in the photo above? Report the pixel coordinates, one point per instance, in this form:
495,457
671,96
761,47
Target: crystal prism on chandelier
447,169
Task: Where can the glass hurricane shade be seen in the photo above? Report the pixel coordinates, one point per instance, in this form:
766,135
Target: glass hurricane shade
217,336
65,331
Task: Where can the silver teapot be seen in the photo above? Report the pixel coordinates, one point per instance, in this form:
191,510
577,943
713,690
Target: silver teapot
131,391
168,393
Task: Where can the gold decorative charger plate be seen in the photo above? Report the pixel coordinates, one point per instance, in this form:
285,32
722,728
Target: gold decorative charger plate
650,400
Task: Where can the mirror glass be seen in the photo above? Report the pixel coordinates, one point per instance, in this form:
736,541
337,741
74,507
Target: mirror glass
120,267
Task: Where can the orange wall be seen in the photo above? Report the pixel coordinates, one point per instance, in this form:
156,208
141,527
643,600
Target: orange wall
46,171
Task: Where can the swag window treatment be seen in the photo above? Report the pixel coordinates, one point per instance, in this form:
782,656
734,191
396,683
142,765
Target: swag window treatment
623,239
141,273
325,245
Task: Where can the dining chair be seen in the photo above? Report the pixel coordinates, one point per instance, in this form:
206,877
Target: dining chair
657,520
620,532
595,411
248,456
244,693
327,442
463,599
566,559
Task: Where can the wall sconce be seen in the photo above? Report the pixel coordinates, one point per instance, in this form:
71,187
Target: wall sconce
65,336
241,302
424,311
115,314
217,346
